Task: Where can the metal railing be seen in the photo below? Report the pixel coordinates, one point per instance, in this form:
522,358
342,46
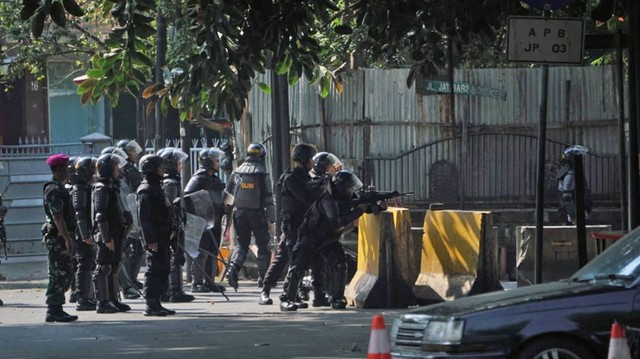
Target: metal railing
487,167
38,146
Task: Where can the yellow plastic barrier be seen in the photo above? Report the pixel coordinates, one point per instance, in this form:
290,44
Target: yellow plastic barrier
378,282
459,256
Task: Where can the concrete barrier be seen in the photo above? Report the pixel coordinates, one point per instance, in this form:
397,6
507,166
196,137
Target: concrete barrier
559,252
379,282
459,256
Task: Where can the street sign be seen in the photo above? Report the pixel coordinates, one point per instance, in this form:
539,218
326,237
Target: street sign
463,88
545,40
547,4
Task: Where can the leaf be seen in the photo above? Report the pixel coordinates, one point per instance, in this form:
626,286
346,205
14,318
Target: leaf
264,88
57,14
95,73
183,116
337,84
86,86
324,87
84,99
283,66
152,90
151,107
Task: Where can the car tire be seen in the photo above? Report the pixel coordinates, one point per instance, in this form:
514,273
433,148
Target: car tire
564,348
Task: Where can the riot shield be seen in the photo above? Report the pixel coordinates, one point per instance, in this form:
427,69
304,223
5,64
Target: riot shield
199,203
133,207
193,231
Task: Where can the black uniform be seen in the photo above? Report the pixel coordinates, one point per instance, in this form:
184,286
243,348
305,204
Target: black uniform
154,211
109,227
57,201
202,267
171,185
85,253
132,247
253,211
324,223
296,198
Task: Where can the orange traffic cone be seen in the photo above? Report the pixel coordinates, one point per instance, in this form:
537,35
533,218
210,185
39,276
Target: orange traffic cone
618,347
378,342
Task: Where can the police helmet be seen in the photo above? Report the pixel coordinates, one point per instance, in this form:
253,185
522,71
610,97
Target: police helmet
83,169
150,163
569,152
107,162
171,157
115,151
303,152
346,183
323,159
131,147
72,169
256,151
207,156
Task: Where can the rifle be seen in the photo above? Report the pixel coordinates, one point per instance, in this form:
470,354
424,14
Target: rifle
3,237
3,230
373,199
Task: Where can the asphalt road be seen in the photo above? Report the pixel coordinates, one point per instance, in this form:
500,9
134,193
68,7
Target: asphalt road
208,327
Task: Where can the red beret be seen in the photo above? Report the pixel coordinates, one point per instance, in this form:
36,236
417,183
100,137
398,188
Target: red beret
58,160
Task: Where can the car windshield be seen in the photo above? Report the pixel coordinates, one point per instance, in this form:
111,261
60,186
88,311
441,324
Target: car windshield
621,261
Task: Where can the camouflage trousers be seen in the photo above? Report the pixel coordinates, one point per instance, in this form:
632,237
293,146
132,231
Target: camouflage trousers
60,270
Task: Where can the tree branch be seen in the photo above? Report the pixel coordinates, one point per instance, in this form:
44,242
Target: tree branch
91,36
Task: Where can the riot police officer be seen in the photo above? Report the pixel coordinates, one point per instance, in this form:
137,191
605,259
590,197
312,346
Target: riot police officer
109,231
154,212
566,179
172,187
133,253
58,233
324,223
81,178
206,178
295,198
253,211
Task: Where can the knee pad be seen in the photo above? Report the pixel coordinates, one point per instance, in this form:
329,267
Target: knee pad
104,269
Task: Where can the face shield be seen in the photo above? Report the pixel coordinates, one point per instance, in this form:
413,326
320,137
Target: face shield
118,160
133,147
215,153
179,156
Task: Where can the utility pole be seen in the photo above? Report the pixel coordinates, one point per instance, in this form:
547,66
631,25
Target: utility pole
634,71
280,138
161,45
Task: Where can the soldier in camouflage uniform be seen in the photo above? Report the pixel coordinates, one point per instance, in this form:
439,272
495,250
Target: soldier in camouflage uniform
58,236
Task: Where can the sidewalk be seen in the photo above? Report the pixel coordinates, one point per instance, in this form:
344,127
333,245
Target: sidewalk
23,272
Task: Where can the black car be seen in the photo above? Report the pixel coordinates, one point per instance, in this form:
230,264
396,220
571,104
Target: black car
571,318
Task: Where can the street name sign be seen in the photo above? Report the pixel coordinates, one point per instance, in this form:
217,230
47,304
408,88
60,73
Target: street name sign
463,88
545,40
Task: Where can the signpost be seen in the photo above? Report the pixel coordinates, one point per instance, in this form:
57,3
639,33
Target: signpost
545,40
547,4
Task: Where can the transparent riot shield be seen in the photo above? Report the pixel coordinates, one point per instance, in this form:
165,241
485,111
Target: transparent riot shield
133,207
193,230
199,204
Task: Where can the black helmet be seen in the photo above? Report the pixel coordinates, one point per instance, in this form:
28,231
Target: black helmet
303,152
171,157
323,159
72,169
107,162
207,156
346,183
150,163
83,169
129,146
256,151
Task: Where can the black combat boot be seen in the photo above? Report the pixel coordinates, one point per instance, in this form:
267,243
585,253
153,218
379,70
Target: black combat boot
290,292
264,296
232,277
85,305
113,298
153,308
215,287
319,298
106,307
130,293
181,297
165,310
73,297
56,314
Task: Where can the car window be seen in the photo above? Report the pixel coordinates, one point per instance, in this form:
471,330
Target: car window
619,261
